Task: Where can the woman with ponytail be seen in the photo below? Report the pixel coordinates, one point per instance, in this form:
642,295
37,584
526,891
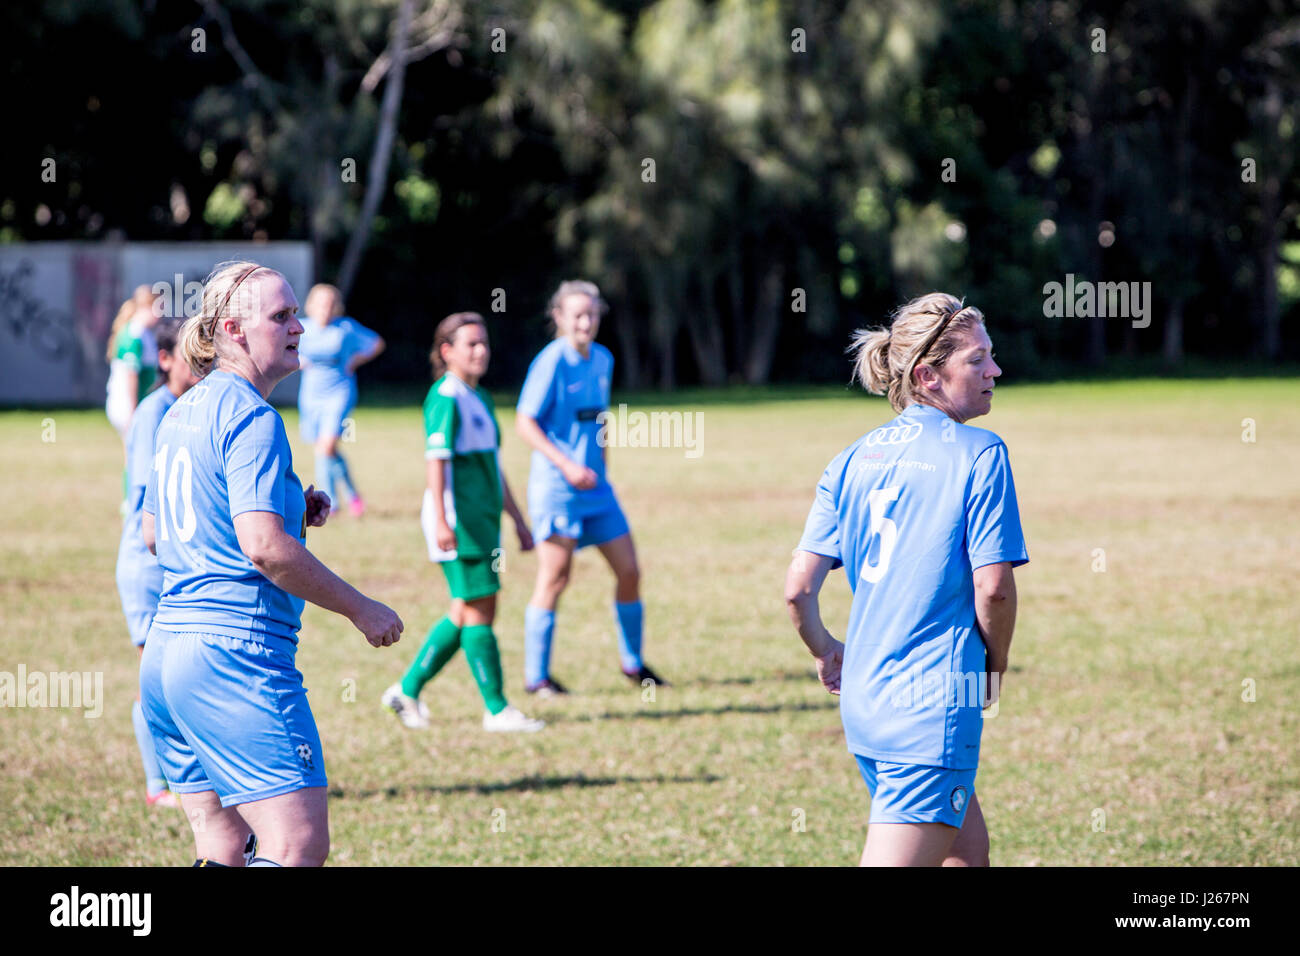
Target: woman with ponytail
922,515
228,518
466,492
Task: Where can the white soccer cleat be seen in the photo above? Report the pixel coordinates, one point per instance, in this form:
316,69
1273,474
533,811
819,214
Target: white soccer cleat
409,710
511,720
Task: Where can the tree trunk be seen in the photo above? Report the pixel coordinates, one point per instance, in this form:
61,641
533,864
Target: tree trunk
626,329
377,177
1173,344
1092,168
662,281
323,204
736,308
1181,214
706,334
767,323
1270,191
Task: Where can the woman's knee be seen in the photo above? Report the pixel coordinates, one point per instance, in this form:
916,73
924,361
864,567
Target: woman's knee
480,611
628,576
304,845
314,852
554,578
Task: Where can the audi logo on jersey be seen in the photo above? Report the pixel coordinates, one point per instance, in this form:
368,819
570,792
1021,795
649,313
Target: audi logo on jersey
895,434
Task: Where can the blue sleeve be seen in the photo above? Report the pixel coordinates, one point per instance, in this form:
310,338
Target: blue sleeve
821,532
256,453
360,338
139,464
538,393
993,531
151,493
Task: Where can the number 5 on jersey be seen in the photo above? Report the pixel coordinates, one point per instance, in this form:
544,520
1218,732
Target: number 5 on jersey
878,503
180,479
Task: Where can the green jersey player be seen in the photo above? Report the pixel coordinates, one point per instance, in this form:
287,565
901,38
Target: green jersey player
461,517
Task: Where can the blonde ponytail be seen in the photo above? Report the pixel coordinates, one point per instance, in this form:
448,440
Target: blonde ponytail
870,351
926,330
142,296
119,323
195,347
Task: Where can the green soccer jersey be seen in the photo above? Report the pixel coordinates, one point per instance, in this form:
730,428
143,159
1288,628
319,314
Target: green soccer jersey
460,428
134,352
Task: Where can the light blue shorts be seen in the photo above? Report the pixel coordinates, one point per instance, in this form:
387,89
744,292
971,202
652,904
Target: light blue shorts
321,416
139,585
908,793
229,715
588,530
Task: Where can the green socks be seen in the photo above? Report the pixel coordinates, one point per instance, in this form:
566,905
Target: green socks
439,648
480,651
485,664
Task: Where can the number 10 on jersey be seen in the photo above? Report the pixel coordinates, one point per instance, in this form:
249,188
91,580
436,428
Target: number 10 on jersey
179,480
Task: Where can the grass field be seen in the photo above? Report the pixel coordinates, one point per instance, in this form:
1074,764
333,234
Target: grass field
1123,736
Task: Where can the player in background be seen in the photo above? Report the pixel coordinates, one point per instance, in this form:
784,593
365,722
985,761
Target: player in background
226,706
570,501
921,513
139,578
132,358
461,516
332,348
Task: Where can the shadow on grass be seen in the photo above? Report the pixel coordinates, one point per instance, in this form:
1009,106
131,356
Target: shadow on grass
520,785
648,713
750,679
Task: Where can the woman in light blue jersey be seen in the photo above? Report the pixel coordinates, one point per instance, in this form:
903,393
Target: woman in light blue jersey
921,513
139,578
570,501
332,348
226,706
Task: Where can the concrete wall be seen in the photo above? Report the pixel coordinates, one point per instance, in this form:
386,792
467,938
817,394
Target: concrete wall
58,299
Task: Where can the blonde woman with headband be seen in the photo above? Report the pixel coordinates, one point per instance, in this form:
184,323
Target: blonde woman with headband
921,513
228,518
332,348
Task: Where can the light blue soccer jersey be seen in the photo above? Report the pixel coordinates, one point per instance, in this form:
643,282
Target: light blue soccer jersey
329,350
139,462
221,451
911,509
565,393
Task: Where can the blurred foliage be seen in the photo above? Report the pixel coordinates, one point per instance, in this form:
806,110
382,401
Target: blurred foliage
747,180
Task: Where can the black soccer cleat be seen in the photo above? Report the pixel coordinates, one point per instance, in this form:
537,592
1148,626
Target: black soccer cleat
645,674
547,687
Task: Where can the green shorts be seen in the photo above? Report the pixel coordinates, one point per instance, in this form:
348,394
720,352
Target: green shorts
471,578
